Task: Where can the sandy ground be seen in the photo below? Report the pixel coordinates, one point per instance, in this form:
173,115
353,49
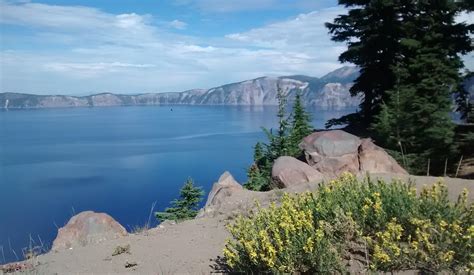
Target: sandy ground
186,248
190,247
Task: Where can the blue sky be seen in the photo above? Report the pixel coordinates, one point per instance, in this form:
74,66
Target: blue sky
130,46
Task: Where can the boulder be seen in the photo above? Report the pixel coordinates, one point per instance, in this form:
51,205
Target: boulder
86,228
332,152
334,143
224,188
288,171
334,166
374,159
335,151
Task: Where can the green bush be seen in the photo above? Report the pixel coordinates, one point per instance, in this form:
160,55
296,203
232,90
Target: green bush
314,232
186,207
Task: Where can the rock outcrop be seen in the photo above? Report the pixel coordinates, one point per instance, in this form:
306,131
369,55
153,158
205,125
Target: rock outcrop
330,91
335,151
288,171
86,228
225,187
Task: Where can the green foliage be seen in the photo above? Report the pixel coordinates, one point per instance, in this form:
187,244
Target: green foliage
382,35
394,227
287,239
279,143
371,30
291,130
300,125
257,179
409,55
186,207
464,106
426,69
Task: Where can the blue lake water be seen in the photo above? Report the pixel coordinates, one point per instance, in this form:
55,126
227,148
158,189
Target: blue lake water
118,160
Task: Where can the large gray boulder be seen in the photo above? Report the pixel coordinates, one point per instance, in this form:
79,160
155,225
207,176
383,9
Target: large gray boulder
86,228
334,152
335,143
288,171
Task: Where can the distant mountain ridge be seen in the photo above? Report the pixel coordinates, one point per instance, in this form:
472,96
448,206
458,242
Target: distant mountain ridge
330,91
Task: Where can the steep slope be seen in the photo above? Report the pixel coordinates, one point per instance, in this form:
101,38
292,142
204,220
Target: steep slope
331,91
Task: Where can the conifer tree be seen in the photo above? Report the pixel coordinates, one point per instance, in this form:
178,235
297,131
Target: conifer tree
371,30
258,174
258,153
465,105
186,207
278,143
300,125
417,109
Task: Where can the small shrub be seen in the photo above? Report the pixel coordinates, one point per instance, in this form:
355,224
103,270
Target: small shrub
287,239
313,232
186,207
121,250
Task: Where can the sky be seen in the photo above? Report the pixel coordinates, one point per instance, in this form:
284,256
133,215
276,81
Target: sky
138,46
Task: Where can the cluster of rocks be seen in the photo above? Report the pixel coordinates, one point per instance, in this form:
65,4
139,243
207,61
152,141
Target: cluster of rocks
327,154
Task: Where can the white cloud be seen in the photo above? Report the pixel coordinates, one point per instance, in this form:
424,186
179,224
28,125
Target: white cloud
93,69
304,34
225,6
128,53
180,25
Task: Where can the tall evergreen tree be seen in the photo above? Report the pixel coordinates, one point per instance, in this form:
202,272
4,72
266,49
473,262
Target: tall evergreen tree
300,125
372,31
258,174
186,207
464,102
279,143
258,153
418,108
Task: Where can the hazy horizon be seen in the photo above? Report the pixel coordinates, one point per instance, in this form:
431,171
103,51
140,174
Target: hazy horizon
84,47
79,94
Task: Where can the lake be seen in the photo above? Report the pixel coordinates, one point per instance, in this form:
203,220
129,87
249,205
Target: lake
55,163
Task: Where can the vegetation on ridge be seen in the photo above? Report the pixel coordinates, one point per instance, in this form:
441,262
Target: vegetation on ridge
409,55
291,130
385,226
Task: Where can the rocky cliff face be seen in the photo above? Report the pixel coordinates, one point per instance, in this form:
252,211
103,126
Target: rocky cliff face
330,91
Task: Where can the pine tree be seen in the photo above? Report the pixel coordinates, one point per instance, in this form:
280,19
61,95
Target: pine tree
258,174
371,30
257,179
300,125
279,143
186,207
427,70
465,105
258,153
282,141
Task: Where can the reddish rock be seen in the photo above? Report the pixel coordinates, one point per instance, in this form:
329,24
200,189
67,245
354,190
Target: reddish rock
334,152
374,159
334,143
87,227
225,187
334,166
288,171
